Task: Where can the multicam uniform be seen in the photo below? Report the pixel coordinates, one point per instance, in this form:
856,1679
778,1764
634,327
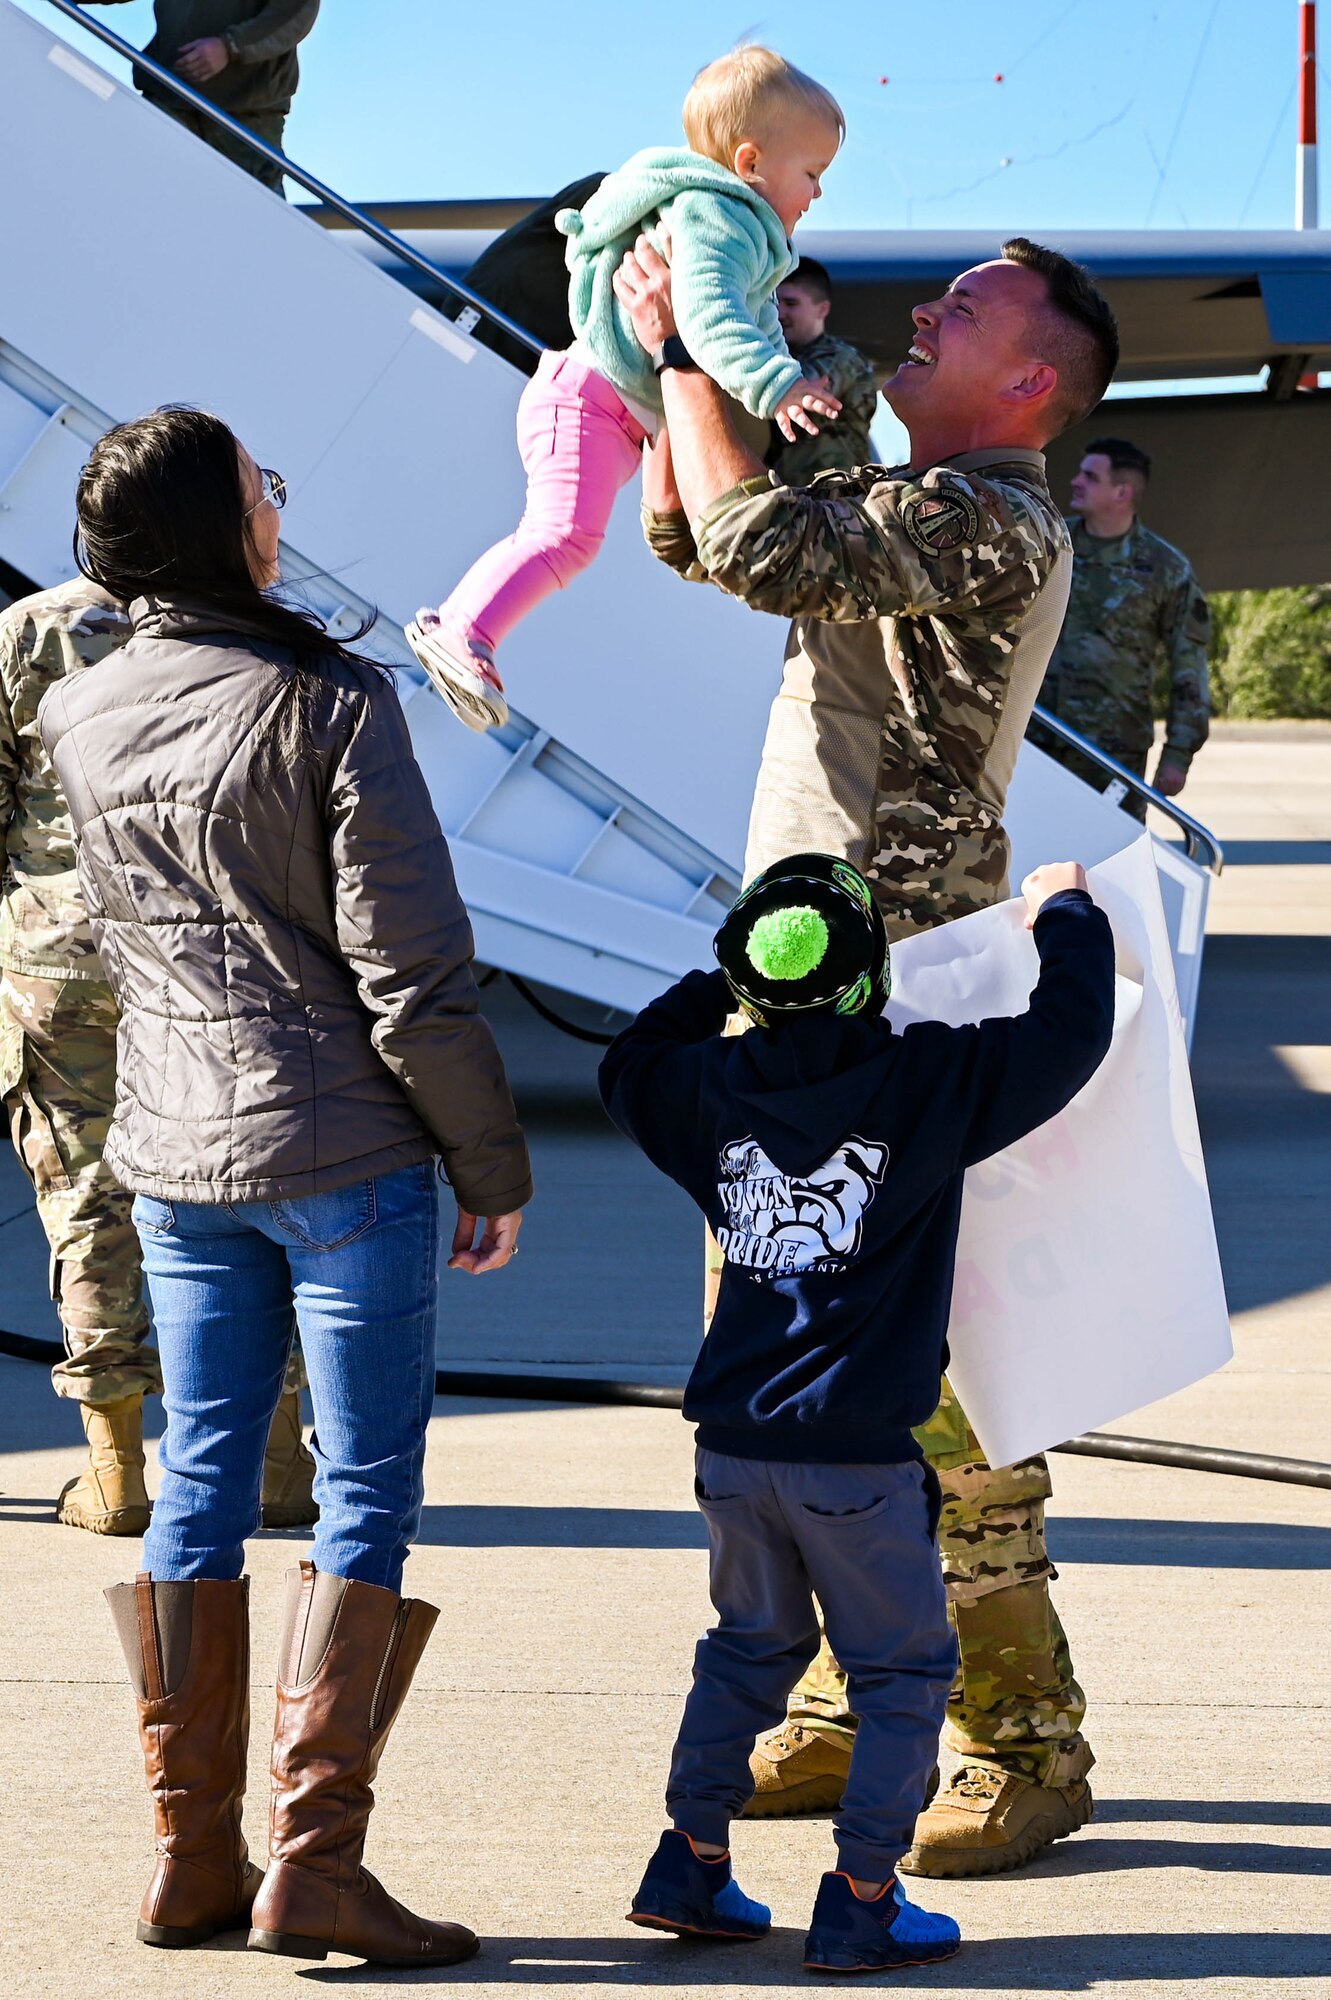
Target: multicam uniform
843,442
1134,598
57,1017
925,610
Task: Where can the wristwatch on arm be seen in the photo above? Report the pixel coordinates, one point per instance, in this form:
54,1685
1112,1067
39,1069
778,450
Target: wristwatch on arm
672,353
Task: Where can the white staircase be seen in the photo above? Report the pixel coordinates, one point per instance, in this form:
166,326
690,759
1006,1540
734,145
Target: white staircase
597,848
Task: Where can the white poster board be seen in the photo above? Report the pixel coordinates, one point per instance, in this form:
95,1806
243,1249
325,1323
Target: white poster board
1088,1279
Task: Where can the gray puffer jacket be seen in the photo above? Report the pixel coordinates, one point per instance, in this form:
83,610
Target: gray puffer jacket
274,905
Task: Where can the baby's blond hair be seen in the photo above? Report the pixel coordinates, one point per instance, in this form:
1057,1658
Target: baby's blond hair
740,95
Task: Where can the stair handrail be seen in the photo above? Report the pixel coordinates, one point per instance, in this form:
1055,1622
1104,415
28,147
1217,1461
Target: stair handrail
1200,845
216,116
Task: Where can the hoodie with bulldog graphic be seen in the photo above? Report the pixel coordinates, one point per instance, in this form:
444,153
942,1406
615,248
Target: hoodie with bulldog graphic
827,1154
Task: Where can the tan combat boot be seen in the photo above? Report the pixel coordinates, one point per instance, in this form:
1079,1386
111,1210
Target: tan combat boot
109,1496
986,1820
801,1767
287,1499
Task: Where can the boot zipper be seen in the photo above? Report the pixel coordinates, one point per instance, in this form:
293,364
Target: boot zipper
400,1618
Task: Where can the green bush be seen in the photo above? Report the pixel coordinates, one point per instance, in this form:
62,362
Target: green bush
1271,652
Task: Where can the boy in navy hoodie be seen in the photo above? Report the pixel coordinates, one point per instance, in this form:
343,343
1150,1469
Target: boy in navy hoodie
827,1152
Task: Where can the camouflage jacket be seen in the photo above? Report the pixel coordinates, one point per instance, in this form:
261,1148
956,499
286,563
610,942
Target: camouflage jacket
43,923
843,444
1134,603
925,607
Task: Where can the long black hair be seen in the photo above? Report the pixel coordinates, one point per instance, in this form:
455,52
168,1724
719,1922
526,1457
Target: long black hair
162,513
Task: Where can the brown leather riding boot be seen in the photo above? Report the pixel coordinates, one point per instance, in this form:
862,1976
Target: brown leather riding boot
187,1647
346,1660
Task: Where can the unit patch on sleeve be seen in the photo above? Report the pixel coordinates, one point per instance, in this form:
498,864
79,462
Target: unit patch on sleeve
941,519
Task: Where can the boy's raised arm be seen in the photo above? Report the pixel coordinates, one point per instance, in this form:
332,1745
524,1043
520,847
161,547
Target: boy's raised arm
1026,1069
650,1061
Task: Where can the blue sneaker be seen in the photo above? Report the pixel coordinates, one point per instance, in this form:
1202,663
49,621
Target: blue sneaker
682,1892
846,1934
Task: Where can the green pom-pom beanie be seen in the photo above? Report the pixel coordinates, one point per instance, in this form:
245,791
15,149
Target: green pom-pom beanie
787,944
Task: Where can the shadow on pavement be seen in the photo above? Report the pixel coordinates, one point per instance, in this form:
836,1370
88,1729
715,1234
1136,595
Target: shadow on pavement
1267,1139
1151,1544
562,1528
1023,1965
1190,1544
1088,1856
1277,853
1214,1812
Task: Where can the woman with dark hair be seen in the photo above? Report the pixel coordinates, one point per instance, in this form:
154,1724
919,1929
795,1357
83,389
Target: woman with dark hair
275,908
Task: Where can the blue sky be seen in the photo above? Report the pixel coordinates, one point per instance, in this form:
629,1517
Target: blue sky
1111,113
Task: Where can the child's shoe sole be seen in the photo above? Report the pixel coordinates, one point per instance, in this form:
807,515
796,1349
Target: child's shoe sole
481,708
672,1917
910,1955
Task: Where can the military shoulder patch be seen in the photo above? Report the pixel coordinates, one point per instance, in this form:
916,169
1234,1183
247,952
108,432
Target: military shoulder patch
940,520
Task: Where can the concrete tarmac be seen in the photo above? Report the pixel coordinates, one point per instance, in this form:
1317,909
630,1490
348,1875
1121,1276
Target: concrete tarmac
521,1791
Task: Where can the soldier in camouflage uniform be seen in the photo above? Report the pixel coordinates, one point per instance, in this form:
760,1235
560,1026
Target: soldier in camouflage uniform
926,605
57,1081
803,303
1135,603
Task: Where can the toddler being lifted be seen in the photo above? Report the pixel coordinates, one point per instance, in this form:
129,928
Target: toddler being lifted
761,135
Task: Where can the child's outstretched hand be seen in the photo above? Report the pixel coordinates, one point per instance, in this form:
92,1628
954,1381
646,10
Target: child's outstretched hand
1046,881
813,398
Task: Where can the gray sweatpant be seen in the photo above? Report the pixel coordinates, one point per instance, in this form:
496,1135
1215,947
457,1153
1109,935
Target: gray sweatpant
862,1538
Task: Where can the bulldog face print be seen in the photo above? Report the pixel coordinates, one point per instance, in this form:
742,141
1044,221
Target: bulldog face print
779,1223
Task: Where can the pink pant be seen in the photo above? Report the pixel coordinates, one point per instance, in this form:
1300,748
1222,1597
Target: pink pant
579,446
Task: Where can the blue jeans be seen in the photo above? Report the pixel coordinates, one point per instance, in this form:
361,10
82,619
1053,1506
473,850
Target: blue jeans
360,1268
862,1537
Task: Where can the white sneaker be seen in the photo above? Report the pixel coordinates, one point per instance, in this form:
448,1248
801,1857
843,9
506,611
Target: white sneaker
464,673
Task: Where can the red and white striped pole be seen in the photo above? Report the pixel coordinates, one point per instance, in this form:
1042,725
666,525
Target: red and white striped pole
1305,186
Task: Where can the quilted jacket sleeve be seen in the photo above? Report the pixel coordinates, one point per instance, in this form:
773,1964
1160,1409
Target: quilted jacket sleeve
713,263
403,930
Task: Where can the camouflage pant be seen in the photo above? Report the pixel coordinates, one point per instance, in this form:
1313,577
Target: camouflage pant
57,1077
58,1083
1014,1701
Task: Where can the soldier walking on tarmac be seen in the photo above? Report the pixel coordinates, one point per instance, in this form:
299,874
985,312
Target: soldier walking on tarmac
926,602
239,53
57,1081
803,304
1135,603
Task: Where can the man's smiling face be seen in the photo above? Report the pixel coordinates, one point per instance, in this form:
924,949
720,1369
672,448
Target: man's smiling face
971,346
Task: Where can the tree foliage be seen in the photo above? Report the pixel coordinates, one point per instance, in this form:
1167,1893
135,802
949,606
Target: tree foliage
1271,652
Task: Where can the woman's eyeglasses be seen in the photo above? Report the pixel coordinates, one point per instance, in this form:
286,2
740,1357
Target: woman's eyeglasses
274,489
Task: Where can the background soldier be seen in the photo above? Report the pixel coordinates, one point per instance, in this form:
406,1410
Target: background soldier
803,303
1135,601
925,605
57,1080
239,53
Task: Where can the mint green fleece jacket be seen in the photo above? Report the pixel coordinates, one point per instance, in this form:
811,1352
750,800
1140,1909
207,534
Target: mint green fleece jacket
728,254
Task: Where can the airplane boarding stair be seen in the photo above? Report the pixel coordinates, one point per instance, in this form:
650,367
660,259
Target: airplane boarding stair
598,846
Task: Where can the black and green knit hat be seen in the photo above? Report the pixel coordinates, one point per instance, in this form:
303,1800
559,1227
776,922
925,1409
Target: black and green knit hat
806,934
